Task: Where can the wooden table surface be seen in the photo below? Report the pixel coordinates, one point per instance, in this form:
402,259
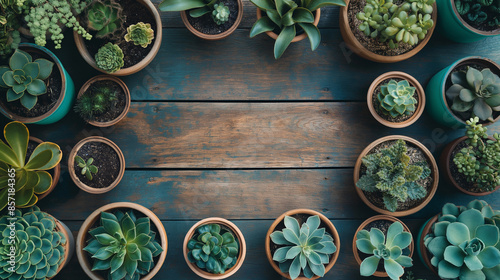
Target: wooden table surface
222,129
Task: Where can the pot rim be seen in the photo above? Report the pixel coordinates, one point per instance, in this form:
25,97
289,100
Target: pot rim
297,38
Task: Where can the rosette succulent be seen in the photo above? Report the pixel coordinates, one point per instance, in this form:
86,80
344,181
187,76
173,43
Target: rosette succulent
140,34
95,102
40,246
213,249
396,98
110,58
105,17
24,77
124,246
87,167
391,250
220,14
305,247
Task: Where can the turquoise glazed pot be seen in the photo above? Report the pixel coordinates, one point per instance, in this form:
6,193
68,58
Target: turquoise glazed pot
437,104
454,28
63,104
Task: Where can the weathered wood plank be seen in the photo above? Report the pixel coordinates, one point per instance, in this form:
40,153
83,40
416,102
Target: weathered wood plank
256,265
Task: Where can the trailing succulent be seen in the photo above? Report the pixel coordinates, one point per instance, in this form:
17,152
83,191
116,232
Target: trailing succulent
289,16
388,22
24,77
39,250
96,102
475,93
305,247
396,98
480,12
30,176
465,242
105,17
109,58
391,250
140,34
213,249
390,172
198,8
123,245
480,160
87,168
9,23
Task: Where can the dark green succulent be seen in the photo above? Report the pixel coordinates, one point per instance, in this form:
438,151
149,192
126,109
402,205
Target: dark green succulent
105,17
109,58
9,23
480,12
95,102
87,168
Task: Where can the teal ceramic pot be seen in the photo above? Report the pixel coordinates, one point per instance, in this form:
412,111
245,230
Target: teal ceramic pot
454,28
421,249
66,98
437,104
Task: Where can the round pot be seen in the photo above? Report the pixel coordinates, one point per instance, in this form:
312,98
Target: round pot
71,163
238,235
222,35
433,167
453,27
444,163
413,82
83,236
330,228
63,104
80,44
125,91
317,16
360,50
55,176
437,105
69,247
423,253
363,225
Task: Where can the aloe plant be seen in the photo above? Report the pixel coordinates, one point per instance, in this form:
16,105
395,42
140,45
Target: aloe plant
31,177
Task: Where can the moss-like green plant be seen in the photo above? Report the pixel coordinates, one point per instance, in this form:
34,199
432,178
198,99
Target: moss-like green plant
478,12
220,14
110,58
30,177
390,250
475,93
390,172
396,98
105,17
123,246
24,78
140,34
9,23
213,249
87,168
96,102
39,250
305,247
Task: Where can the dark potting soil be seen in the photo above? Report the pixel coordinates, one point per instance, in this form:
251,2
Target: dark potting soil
45,101
105,159
133,13
379,109
416,155
372,44
117,106
206,25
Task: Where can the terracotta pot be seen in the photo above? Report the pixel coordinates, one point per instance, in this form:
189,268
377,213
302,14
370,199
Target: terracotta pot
55,176
317,16
237,234
433,167
90,222
222,35
80,44
444,162
71,162
364,224
330,228
125,91
422,250
360,50
413,82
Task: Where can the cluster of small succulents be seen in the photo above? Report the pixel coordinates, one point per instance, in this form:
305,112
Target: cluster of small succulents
140,34
392,23
480,11
87,167
390,172
219,12
396,98
105,17
110,58
95,102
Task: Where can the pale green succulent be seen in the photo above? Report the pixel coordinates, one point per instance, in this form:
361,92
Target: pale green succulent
110,58
396,98
220,14
391,250
140,34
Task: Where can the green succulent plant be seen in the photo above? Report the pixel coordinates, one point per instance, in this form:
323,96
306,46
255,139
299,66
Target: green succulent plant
480,12
109,58
289,17
220,14
30,176
464,242
390,250
9,23
475,93
479,161
396,98
388,22
213,249
87,168
96,102
24,78
105,17
390,173
40,246
124,246
197,8
305,247
140,34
